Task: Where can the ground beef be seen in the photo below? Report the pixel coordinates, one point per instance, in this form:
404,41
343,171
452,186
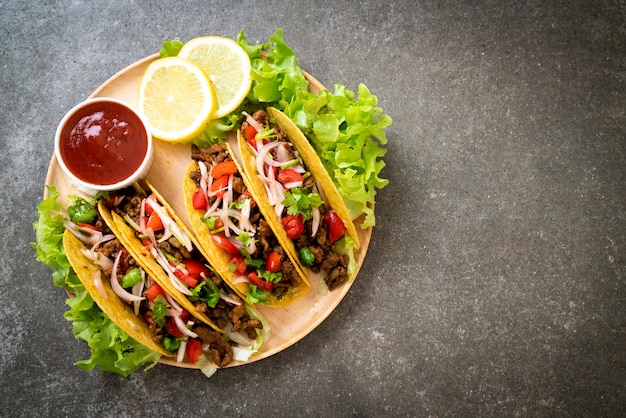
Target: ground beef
331,260
242,322
216,153
181,251
326,259
130,206
155,330
261,116
109,248
238,185
220,351
337,276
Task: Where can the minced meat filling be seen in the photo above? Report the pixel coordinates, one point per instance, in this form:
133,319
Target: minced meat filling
326,259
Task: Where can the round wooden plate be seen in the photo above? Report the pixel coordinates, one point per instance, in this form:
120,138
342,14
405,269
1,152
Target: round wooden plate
287,325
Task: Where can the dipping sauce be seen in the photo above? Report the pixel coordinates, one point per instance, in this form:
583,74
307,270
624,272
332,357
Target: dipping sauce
103,143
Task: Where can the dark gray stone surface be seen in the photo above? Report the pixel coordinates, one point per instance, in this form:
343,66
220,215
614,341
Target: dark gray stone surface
495,281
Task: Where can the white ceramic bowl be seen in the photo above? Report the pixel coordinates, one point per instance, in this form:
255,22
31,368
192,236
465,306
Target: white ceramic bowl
106,158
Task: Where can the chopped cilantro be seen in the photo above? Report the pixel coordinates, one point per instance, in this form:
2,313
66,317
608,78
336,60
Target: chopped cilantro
254,262
244,238
159,310
171,344
255,295
206,291
299,200
82,211
269,276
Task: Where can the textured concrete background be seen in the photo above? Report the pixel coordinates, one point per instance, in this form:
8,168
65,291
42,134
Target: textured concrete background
495,282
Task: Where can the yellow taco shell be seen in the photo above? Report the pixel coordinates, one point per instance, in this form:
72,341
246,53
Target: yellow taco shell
117,310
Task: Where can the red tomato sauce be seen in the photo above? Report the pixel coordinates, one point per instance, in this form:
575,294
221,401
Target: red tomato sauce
103,143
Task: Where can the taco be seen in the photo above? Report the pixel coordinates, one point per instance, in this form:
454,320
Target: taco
162,244
299,198
237,240
95,269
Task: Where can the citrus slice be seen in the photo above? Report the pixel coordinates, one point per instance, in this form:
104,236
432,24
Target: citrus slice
176,99
228,66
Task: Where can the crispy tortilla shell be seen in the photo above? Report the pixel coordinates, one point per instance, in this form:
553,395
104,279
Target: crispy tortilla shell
117,310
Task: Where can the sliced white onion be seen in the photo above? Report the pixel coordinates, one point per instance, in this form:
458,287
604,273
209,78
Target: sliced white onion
118,200
298,169
150,234
167,234
279,196
213,193
162,260
278,209
229,299
315,222
168,221
269,193
241,279
253,122
102,240
85,235
293,184
228,196
251,248
99,259
97,281
180,356
283,155
204,180
174,305
244,222
132,223
318,190
117,288
183,327
213,207
137,290
261,156
142,216
246,208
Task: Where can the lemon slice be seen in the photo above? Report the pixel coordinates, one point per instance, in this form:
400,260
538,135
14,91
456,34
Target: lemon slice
176,99
228,66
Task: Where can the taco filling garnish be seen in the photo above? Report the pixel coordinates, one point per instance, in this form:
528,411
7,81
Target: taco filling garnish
302,199
238,240
158,239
